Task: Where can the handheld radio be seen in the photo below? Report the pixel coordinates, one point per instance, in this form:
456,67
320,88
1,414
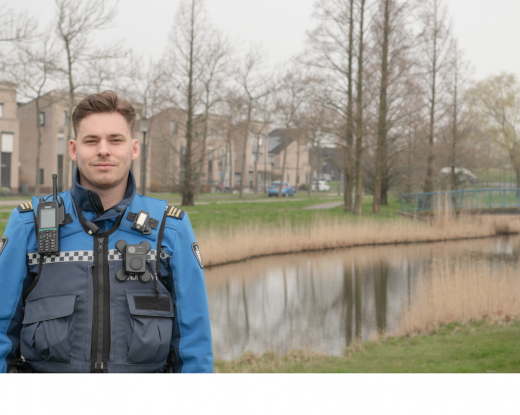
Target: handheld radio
50,216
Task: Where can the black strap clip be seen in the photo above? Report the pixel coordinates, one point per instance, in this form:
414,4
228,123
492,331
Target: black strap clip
142,222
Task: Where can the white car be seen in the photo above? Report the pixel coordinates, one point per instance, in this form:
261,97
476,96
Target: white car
323,186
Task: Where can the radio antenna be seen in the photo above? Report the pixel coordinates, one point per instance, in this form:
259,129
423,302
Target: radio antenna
54,187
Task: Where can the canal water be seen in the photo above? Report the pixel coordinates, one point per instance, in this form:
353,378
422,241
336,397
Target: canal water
322,301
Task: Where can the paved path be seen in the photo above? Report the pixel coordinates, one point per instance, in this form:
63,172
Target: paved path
328,205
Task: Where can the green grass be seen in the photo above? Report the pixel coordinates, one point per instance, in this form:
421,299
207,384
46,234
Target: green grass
495,175
473,348
233,212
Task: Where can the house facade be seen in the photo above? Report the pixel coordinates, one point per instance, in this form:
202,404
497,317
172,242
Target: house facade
9,137
297,161
257,168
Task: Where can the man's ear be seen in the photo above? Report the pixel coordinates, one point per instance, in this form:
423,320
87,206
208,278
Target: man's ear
136,150
72,150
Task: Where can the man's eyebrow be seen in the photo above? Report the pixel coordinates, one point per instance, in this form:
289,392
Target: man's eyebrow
97,136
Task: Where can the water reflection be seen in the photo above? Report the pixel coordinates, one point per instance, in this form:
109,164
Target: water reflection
323,301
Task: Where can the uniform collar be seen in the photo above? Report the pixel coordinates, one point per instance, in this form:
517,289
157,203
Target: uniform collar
89,201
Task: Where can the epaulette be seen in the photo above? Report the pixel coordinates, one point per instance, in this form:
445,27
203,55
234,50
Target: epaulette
25,207
173,212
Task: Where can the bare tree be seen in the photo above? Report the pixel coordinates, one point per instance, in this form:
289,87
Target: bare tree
394,42
188,42
495,105
16,27
33,68
217,65
457,133
254,84
331,53
436,39
359,111
290,98
76,22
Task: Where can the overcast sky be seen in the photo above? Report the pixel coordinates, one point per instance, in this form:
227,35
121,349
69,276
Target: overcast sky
488,30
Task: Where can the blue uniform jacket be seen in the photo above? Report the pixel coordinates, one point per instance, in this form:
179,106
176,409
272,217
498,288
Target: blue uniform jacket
68,312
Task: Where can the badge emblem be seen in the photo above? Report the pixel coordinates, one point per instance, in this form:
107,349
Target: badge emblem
3,243
196,252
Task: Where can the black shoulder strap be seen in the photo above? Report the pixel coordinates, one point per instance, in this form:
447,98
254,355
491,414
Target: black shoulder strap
25,207
159,247
173,212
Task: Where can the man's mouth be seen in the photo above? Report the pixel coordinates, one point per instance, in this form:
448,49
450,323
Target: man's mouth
103,166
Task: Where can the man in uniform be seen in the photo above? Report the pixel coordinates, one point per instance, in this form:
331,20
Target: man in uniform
126,291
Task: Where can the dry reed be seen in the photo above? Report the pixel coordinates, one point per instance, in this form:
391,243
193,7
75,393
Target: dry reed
221,247
463,291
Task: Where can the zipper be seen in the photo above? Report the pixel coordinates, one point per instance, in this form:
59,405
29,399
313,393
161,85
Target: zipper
100,346
99,362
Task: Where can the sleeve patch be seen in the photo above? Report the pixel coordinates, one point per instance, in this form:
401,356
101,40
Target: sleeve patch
3,243
196,251
173,212
25,207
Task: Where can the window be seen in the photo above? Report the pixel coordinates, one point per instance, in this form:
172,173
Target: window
175,128
214,133
183,152
260,146
196,136
41,176
210,155
42,118
221,134
238,177
271,159
64,117
220,158
250,179
1,109
253,145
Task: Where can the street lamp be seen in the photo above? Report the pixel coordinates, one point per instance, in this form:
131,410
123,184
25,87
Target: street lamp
144,128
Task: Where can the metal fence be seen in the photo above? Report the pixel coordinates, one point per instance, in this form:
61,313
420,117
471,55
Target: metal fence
461,199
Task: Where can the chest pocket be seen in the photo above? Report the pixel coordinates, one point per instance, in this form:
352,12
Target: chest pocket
150,333
47,328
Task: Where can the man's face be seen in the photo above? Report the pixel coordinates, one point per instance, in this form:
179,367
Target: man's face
104,150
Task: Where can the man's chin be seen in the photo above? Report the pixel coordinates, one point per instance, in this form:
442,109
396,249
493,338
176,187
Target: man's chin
106,181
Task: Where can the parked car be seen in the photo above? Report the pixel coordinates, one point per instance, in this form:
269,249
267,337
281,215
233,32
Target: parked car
287,189
323,186
462,174
325,176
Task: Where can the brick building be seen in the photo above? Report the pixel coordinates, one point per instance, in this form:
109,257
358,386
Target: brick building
9,137
256,156
297,165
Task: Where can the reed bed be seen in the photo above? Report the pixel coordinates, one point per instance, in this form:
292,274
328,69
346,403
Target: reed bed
255,240
465,290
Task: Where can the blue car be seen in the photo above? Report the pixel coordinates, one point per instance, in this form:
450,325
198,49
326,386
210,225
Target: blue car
287,189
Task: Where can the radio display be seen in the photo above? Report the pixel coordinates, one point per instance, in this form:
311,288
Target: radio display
48,218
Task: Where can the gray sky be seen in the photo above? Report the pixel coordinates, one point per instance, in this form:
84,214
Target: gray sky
487,30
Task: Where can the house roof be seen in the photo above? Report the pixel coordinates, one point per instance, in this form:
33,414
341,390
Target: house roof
278,139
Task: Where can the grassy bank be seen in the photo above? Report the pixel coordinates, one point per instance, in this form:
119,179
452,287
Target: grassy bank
221,246
477,347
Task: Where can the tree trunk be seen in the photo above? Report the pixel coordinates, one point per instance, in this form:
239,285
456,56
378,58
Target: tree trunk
382,127
187,191
255,170
244,152
283,164
349,161
359,117
203,155
297,167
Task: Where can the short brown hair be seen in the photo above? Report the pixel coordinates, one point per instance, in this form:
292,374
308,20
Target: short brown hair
106,101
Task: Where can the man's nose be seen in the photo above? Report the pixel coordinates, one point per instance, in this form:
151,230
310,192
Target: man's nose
103,148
